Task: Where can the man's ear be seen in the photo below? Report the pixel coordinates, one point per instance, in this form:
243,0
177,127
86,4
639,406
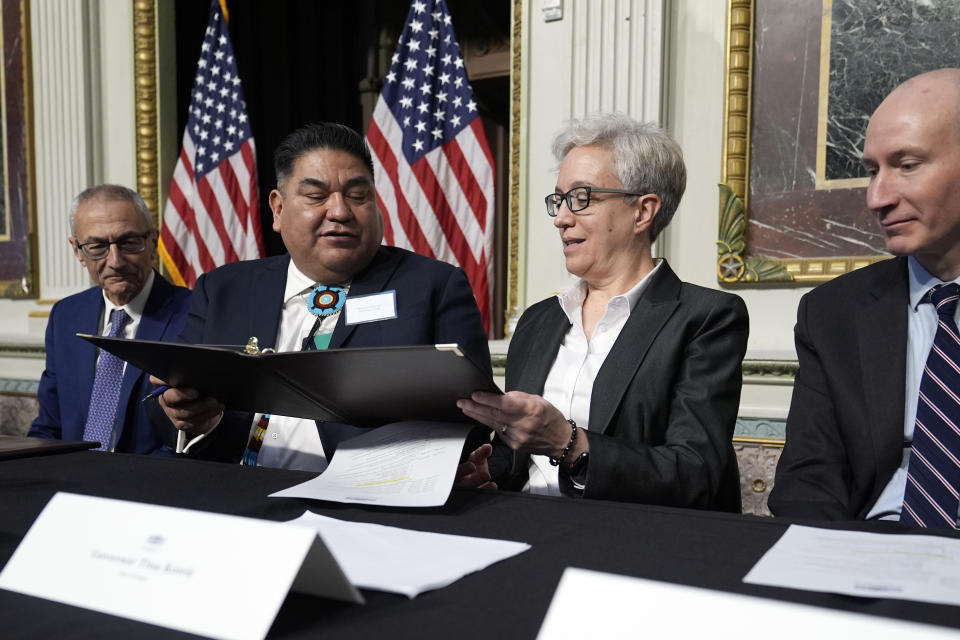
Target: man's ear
647,208
276,205
76,249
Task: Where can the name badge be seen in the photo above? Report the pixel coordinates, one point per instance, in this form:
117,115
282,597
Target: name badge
371,308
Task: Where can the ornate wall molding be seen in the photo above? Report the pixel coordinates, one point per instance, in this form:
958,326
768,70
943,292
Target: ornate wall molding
513,242
736,117
16,387
499,362
734,266
779,372
763,431
145,82
16,350
758,465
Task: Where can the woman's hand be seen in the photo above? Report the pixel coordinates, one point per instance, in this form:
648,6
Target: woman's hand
523,421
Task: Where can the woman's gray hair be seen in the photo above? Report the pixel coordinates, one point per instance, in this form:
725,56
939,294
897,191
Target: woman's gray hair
109,193
645,158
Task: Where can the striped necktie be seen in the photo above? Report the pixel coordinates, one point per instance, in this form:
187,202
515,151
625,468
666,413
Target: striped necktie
933,473
106,388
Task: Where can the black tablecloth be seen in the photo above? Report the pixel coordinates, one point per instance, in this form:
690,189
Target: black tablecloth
507,600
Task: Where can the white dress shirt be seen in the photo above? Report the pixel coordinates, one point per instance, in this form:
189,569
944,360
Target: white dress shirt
921,329
569,385
294,443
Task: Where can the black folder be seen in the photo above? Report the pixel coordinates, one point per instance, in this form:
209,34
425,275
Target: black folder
366,387
24,447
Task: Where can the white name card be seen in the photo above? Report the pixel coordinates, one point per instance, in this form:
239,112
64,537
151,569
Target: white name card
371,308
625,607
193,571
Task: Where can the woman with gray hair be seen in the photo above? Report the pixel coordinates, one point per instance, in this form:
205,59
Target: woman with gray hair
625,386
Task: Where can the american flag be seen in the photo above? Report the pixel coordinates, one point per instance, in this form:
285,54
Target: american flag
212,215
434,169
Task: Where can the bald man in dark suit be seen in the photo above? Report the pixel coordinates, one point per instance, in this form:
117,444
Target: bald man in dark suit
863,339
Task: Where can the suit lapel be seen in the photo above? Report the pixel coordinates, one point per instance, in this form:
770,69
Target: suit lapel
541,353
84,354
647,318
373,279
266,293
154,320
527,370
882,359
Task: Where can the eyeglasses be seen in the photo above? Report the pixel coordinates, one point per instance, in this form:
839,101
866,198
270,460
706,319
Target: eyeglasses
129,244
578,198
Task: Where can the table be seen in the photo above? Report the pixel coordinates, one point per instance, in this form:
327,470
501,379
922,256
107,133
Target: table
507,600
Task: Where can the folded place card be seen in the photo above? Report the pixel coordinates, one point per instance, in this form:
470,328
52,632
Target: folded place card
406,561
187,570
590,604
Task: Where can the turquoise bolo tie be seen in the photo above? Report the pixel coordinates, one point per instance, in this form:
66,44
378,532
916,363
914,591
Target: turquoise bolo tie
323,301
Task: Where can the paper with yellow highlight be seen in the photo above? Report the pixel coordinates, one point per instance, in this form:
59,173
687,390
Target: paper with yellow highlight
404,464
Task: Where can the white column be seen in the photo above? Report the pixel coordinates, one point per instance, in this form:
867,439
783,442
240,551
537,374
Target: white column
66,131
113,82
617,57
604,55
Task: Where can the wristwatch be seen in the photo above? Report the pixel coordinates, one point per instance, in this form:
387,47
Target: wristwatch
578,469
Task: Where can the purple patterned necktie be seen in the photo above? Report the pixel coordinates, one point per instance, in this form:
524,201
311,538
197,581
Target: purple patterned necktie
106,388
933,473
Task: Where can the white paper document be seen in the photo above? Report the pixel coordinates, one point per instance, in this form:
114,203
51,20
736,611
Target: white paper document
186,570
405,561
872,565
589,604
405,464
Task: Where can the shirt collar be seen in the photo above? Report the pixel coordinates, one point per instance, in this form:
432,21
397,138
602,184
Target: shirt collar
299,284
921,282
134,308
571,300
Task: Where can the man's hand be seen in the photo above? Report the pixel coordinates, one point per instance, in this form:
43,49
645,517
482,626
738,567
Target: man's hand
188,410
475,472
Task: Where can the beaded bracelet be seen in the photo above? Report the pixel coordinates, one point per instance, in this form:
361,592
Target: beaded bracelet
573,438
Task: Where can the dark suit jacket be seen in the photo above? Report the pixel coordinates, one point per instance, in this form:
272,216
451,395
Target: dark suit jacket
66,383
845,427
664,404
435,304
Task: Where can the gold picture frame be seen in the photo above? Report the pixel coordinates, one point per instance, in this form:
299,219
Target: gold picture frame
145,83
19,271
735,265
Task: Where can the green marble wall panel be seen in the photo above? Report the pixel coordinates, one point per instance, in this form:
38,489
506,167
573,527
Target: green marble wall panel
760,428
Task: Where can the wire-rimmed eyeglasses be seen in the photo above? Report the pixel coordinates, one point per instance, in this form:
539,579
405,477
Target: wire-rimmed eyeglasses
129,244
578,198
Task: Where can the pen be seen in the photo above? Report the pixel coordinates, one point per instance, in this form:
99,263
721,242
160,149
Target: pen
156,393
181,441
181,435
